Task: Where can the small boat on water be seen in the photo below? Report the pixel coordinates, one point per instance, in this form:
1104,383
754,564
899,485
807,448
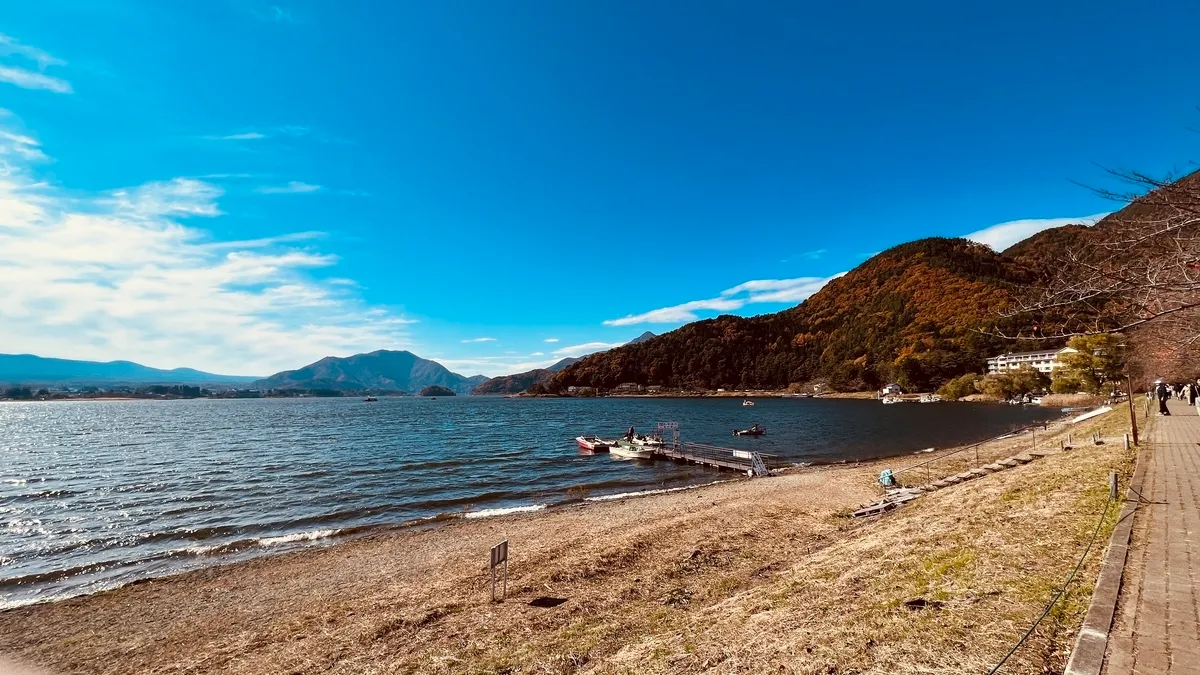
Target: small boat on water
747,402
931,398
593,444
639,448
752,431
370,399
888,400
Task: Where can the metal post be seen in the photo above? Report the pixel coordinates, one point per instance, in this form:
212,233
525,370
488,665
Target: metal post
505,596
1132,414
1112,485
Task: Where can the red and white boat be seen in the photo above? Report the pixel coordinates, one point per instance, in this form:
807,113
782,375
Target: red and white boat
592,444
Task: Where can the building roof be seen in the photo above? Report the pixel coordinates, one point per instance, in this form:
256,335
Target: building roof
1040,352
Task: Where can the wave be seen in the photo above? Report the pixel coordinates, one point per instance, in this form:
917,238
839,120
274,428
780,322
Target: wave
643,493
489,513
298,536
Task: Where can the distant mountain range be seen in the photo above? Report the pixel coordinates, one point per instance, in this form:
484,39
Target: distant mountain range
30,369
381,370
515,384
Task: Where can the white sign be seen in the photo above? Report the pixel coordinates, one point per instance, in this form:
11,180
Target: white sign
500,553
499,556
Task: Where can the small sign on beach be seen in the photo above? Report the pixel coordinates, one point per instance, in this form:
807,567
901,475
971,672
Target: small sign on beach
499,556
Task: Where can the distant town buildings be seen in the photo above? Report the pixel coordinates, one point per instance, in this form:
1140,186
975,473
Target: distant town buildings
1044,361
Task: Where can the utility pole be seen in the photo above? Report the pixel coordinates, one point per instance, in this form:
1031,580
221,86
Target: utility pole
1132,413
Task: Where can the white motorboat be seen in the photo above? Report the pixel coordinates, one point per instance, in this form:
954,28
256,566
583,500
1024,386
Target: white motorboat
747,402
888,400
638,448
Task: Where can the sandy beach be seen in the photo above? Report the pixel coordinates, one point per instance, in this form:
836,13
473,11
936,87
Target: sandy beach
745,576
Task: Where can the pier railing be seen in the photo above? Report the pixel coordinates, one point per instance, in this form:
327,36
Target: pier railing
967,457
713,455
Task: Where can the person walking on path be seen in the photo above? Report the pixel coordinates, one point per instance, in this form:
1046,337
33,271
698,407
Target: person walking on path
1163,393
1192,392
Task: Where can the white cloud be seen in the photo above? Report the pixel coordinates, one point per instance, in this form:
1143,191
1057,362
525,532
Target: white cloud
756,291
28,79
119,275
479,339
586,348
290,130
550,340
22,146
293,187
493,366
1003,235
538,354
10,46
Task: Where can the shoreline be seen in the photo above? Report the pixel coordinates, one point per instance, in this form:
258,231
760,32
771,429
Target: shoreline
233,554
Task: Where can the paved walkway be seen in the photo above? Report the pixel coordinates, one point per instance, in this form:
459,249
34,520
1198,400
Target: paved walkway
1157,629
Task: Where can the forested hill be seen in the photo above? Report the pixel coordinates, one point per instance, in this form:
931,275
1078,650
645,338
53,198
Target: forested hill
911,314
381,370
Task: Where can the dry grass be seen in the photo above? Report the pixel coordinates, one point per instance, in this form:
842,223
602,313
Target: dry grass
755,576
1072,400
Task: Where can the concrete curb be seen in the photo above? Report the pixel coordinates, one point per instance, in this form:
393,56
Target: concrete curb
1087,658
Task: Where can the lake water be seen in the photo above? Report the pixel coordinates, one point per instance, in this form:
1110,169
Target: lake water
96,494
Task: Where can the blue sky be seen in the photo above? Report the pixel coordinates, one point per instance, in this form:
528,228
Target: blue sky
246,186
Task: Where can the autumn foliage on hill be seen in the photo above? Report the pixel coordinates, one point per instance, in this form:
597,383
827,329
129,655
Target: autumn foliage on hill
918,314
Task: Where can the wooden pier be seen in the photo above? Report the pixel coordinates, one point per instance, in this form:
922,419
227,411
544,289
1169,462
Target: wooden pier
749,462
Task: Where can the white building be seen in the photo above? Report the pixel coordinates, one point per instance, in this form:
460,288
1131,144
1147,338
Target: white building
891,390
1044,361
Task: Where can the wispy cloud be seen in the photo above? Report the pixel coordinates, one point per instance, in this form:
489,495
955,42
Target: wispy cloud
286,130
293,187
128,274
30,79
479,339
248,136
550,340
731,299
10,46
538,354
586,348
280,14
807,255
270,13
493,366
24,147
1003,235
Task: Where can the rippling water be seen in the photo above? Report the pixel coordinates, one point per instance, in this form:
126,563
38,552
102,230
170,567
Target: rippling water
96,494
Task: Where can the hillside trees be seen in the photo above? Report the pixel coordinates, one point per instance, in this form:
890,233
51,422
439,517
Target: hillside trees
1136,272
912,314
1098,360
1006,385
